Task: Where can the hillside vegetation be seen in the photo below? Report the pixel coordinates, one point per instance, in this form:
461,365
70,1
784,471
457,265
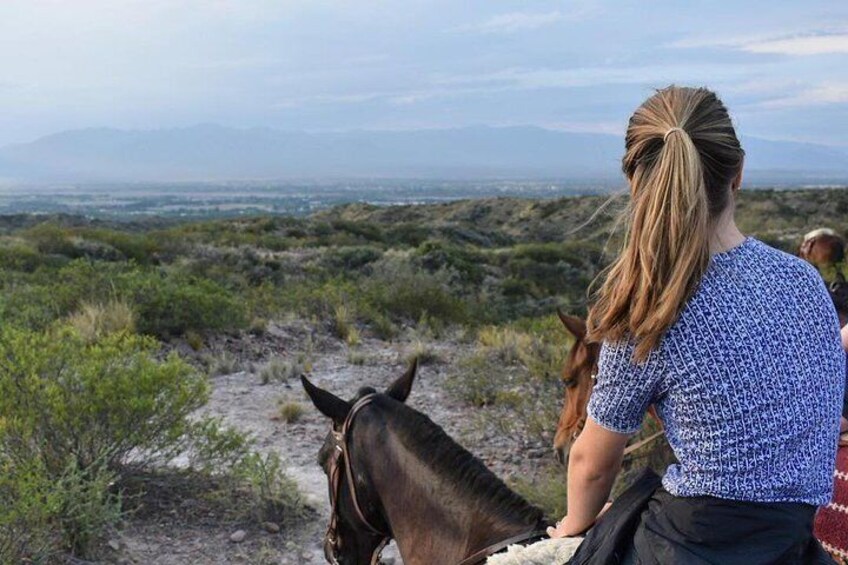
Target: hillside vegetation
90,396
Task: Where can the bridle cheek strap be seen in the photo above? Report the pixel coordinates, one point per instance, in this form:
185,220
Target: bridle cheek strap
342,451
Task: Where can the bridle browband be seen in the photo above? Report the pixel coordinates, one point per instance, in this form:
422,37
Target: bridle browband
341,451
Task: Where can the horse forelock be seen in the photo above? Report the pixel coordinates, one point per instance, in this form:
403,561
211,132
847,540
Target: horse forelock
363,392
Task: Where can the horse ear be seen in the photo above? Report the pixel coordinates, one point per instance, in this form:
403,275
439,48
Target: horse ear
575,326
840,278
327,403
400,389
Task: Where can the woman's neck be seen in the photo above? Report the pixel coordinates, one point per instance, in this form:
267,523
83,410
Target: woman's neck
725,235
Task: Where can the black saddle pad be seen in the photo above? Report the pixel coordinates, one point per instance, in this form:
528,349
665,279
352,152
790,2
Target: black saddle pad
610,539
648,526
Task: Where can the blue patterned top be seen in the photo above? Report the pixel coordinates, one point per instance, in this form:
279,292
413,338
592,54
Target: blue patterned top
748,381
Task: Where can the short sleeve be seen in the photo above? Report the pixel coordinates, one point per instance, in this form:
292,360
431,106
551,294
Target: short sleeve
845,394
623,389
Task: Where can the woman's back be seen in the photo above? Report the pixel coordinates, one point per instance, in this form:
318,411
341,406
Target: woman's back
737,345
746,380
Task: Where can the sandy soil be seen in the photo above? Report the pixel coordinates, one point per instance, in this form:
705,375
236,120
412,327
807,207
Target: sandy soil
244,402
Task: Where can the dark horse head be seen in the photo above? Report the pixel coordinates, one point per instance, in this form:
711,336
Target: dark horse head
394,474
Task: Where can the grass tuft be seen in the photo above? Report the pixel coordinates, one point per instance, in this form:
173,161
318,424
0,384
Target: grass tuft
94,320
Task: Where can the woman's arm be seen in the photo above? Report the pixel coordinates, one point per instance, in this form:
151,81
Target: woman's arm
593,463
843,422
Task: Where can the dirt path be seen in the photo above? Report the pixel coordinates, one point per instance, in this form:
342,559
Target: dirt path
242,401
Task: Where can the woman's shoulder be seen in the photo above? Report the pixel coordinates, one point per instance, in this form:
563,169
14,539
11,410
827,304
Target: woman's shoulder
752,277
766,261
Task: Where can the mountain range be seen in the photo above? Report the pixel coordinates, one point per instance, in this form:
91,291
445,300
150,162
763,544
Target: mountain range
216,153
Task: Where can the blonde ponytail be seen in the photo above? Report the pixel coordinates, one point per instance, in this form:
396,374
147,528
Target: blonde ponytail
682,154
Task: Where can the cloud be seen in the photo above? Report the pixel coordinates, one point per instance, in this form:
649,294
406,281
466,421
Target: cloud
589,126
810,45
814,43
651,75
821,95
533,79
513,22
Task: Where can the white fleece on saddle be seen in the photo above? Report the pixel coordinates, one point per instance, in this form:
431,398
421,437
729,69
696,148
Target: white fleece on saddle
545,552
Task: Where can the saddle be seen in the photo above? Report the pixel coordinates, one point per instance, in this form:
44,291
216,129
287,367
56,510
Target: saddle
831,524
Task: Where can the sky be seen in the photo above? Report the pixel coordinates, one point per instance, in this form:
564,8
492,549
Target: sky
323,65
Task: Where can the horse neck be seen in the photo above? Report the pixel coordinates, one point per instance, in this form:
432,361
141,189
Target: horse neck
431,521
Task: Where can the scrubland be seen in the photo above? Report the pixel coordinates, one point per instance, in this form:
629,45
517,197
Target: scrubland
148,369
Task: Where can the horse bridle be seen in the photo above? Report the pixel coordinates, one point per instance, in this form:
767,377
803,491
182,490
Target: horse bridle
340,464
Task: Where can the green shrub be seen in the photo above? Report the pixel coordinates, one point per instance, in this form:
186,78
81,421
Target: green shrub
364,230
170,303
438,255
398,289
52,239
506,344
66,399
143,249
43,515
216,448
273,496
350,258
73,413
478,382
382,326
28,501
515,374
87,508
21,257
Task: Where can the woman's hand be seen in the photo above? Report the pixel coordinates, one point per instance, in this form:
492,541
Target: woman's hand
564,529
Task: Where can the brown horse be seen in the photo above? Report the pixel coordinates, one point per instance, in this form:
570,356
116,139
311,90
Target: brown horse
578,375
394,474
822,247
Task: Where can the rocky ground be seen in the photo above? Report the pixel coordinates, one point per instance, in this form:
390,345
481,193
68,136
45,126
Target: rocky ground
172,536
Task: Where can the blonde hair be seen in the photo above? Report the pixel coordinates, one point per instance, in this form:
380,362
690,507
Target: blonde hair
681,156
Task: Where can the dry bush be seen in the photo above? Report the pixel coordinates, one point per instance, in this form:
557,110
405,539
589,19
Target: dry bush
93,320
280,371
290,412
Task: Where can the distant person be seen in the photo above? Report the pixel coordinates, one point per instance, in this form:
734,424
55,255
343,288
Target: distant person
735,343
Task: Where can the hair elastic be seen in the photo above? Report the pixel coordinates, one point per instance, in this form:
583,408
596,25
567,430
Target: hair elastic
672,130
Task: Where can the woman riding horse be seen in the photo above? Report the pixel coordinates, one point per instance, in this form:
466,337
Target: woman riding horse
735,343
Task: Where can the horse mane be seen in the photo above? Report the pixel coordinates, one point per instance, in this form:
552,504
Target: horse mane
429,443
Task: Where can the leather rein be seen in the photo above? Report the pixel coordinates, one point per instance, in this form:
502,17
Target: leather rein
341,465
